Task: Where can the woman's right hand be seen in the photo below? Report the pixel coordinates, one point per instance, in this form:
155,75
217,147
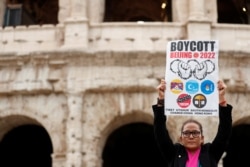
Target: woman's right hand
161,89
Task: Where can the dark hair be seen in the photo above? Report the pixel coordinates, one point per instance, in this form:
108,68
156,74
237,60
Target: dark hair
192,121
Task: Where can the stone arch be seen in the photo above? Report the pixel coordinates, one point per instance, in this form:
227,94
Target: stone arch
121,120
232,11
130,130
8,122
32,12
235,155
137,10
244,120
24,142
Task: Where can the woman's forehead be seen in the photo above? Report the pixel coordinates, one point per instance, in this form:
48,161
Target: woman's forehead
191,125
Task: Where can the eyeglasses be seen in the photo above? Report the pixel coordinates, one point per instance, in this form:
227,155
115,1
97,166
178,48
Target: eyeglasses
194,133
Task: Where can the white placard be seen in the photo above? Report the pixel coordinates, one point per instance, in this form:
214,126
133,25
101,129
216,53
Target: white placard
191,78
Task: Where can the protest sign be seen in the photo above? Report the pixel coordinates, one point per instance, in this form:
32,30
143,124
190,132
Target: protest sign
191,77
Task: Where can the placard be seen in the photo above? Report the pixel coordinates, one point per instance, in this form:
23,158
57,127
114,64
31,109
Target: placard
191,78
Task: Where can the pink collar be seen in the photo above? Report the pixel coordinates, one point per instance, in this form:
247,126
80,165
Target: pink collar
193,158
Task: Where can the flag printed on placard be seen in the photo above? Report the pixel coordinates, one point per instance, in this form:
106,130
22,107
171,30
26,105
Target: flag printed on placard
191,78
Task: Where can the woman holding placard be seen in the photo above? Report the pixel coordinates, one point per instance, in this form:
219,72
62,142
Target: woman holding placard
191,151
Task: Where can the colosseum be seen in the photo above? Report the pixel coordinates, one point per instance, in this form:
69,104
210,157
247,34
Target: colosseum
78,78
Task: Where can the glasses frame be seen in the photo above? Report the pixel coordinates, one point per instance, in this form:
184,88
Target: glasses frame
187,134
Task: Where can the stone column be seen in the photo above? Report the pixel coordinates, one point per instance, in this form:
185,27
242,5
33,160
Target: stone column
197,10
76,26
79,8
198,26
211,10
180,10
98,9
74,131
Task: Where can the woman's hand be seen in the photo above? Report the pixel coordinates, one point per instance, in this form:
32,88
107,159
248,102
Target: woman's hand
222,91
161,89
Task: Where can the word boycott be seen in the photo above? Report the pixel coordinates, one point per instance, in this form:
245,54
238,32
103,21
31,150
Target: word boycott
192,46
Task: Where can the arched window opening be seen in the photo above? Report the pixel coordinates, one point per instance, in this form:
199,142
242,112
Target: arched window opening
132,145
26,145
137,10
233,11
235,154
30,12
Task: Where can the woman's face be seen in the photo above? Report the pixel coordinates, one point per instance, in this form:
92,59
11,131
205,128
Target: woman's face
191,137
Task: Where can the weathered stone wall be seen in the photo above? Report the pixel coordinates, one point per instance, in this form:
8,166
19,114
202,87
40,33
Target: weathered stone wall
80,96
82,78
